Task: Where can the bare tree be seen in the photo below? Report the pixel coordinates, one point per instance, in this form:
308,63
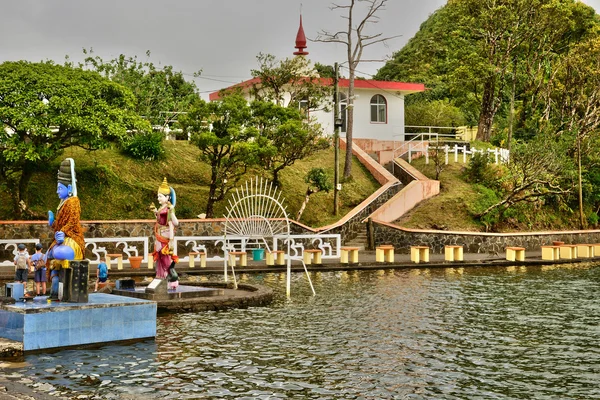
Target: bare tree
355,38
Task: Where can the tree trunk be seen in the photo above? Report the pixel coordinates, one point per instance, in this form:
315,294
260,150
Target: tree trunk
276,182
212,190
580,184
348,157
349,126
309,191
486,116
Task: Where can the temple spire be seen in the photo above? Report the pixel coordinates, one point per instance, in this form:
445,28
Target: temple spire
300,41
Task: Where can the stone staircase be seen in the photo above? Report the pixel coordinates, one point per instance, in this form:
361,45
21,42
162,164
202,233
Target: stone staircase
360,241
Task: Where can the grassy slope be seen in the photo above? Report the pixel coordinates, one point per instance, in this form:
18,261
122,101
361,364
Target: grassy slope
450,210
112,186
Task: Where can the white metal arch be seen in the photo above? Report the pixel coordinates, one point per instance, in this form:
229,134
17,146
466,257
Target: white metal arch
256,211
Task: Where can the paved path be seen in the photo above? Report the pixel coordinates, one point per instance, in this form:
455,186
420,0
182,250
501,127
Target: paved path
366,262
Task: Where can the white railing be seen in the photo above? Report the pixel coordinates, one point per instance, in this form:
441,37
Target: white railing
100,251
7,243
500,155
330,244
91,244
420,140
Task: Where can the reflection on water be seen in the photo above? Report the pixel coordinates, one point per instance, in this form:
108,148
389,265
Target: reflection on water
455,333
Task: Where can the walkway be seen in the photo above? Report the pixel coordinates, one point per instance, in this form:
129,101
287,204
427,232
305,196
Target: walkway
366,262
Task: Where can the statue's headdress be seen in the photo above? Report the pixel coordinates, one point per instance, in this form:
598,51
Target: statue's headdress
66,175
165,189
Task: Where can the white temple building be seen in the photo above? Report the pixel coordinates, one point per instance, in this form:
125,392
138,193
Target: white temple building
378,105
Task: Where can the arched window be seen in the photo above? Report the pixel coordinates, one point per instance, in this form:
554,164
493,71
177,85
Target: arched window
378,109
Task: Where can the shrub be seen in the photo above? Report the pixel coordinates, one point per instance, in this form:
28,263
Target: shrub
593,218
145,146
479,169
487,197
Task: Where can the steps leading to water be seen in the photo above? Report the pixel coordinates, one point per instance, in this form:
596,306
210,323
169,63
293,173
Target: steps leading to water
360,241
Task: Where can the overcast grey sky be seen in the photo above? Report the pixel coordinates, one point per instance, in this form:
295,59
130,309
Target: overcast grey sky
220,37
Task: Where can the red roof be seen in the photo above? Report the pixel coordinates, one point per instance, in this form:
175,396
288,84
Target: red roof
404,87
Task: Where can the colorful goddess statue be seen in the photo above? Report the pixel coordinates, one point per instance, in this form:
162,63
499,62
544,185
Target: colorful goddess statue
164,232
68,241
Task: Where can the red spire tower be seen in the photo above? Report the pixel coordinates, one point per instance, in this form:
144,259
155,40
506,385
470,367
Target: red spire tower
300,41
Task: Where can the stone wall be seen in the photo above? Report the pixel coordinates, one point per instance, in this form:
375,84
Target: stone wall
474,242
351,228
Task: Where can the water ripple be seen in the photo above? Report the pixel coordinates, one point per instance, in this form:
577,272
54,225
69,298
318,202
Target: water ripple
474,333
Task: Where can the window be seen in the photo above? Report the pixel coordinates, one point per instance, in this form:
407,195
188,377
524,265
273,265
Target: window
378,109
303,107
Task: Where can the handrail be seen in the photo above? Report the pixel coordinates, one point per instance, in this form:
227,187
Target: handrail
420,137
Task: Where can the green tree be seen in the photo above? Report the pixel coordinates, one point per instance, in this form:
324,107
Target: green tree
539,170
161,93
325,71
223,132
434,113
45,108
574,106
481,53
290,83
285,137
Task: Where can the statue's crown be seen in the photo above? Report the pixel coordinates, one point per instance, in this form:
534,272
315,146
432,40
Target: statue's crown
164,188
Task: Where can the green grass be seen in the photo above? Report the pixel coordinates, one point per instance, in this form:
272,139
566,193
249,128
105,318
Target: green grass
453,208
450,209
112,186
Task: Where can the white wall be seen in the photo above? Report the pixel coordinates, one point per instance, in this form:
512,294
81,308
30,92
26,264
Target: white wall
363,128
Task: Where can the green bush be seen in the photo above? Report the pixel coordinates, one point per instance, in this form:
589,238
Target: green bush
145,146
487,197
593,218
479,169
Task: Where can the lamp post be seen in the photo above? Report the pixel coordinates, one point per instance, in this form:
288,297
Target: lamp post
337,124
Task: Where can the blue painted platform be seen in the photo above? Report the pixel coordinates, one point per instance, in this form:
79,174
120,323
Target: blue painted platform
105,318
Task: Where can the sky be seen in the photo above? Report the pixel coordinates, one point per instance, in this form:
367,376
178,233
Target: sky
220,37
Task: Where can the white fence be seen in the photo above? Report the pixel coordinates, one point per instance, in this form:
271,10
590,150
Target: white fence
215,247
125,244
500,155
329,244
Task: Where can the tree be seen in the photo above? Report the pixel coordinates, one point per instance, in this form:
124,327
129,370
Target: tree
289,83
325,71
538,170
317,181
477,53
45,108
161,93
574,101
355,38
434,113
284,137
223,132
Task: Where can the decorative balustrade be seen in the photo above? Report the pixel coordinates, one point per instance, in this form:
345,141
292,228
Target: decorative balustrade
215,247
92,246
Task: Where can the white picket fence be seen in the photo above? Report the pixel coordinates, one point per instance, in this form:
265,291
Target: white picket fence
500,155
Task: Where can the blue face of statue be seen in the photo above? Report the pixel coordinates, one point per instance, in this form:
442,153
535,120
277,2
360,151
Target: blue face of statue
63,191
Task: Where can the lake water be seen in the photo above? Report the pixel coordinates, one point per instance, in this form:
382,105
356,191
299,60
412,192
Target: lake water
472,333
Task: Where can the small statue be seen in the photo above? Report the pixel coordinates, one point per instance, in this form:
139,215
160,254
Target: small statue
68,241
164,232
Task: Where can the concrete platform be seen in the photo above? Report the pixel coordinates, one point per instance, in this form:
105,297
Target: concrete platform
40,324
181,292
